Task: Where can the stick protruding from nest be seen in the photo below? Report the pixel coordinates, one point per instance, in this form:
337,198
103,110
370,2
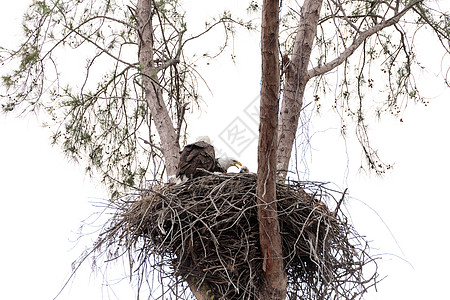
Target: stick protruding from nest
206,231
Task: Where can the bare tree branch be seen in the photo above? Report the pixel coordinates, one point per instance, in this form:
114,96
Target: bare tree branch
153,94
322,69
295,82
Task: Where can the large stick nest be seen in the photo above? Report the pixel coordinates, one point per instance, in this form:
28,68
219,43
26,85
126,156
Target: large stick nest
206,231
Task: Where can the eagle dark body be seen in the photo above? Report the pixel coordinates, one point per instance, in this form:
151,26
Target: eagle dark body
195,156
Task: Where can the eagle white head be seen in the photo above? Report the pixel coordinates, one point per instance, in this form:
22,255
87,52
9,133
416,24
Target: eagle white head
226,162
204,138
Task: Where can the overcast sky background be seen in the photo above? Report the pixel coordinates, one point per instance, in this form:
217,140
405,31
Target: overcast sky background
45,197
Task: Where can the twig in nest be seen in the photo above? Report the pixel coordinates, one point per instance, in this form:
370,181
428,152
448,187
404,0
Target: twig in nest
206,230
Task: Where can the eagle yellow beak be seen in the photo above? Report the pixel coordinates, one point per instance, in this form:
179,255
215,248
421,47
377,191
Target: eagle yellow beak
237,164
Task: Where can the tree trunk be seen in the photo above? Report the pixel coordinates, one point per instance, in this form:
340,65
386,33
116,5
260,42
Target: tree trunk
153,94
275,280
295,83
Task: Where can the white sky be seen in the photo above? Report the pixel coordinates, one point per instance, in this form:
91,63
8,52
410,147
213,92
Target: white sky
45,197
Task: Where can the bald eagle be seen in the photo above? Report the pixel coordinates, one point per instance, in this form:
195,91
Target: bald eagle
201,155
223,163
197,155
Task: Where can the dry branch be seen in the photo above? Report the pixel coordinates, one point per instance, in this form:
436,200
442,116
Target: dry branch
205,231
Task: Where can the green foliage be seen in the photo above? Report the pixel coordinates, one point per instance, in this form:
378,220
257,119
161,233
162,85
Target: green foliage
7,81
29,56
100,115
253,7
378,79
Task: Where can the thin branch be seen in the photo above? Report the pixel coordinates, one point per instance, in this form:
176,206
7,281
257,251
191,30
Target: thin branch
322,69
87,39
345,17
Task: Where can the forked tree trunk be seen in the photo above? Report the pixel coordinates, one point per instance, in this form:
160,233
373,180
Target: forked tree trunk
153,94
275,280
295,83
